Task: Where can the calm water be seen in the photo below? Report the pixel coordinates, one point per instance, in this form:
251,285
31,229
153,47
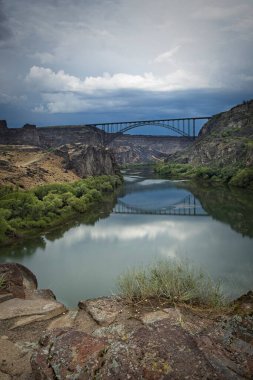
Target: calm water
151,219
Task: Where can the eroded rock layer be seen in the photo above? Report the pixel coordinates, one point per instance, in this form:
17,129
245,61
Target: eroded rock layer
226,139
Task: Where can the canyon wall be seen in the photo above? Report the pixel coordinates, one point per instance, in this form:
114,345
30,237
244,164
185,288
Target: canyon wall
140,148
226,139
47,137
127,148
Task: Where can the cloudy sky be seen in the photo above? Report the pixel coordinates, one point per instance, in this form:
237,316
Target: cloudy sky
77,61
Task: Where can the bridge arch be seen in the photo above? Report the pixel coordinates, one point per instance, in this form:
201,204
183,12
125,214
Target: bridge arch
185,127
155,124
187,206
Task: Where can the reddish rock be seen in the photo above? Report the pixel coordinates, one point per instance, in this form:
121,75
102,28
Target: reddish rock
157,351
67,354
14,362
18,280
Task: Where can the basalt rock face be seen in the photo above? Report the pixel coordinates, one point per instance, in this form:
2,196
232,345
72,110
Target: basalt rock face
126,148
226,139
140,148
47,137
88,160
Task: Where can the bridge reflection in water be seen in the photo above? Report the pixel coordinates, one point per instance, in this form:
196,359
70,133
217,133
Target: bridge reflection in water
188,206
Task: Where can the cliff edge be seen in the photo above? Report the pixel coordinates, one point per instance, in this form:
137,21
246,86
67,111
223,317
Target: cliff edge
226,139
28,166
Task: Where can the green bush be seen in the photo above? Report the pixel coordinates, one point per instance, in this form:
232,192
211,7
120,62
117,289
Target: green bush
2,281
234,175
243,178
57,188
5,227
50,204
5,190
205,172
80,190
175,171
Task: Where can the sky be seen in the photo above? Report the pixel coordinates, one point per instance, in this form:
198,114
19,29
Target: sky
84,61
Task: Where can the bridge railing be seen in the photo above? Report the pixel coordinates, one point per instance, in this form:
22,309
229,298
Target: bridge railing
189,206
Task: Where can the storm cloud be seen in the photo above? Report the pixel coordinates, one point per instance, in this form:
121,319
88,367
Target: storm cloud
75,61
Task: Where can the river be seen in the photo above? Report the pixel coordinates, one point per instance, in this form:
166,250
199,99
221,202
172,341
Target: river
151,218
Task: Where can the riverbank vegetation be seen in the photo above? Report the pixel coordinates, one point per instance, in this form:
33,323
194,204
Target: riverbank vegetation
172,281
25,211
232,175
2,281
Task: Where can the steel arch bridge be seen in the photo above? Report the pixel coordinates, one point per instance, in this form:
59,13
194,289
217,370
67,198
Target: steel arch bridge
188,206
185,127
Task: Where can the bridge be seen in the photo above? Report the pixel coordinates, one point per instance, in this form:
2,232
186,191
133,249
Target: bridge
188,206
185,127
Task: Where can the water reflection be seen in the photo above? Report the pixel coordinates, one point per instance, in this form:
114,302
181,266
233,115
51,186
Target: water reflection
232,206
30,245
84,258
188,206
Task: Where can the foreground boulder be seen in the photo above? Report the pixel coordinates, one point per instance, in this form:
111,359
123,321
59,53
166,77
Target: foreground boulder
21,302
18,280
67,354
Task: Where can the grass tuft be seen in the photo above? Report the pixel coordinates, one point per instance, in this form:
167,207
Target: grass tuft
172,280
2,281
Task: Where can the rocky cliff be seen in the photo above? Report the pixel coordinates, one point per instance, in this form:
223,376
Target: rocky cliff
127,148
47,137
226,139
140,148
87,160
28,166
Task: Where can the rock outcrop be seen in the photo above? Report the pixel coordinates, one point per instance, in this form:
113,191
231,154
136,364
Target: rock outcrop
22,305
88,160
107,338
46,137
226,139
28,166
19,281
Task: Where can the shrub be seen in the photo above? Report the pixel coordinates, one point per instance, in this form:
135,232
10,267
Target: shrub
243,178
95,195
106,187
4,190
50,204
175,170
80,190
2,281
56,188
171,280
5,227
205,172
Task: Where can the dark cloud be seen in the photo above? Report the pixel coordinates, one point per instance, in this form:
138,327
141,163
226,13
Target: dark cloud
5,31
74,61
